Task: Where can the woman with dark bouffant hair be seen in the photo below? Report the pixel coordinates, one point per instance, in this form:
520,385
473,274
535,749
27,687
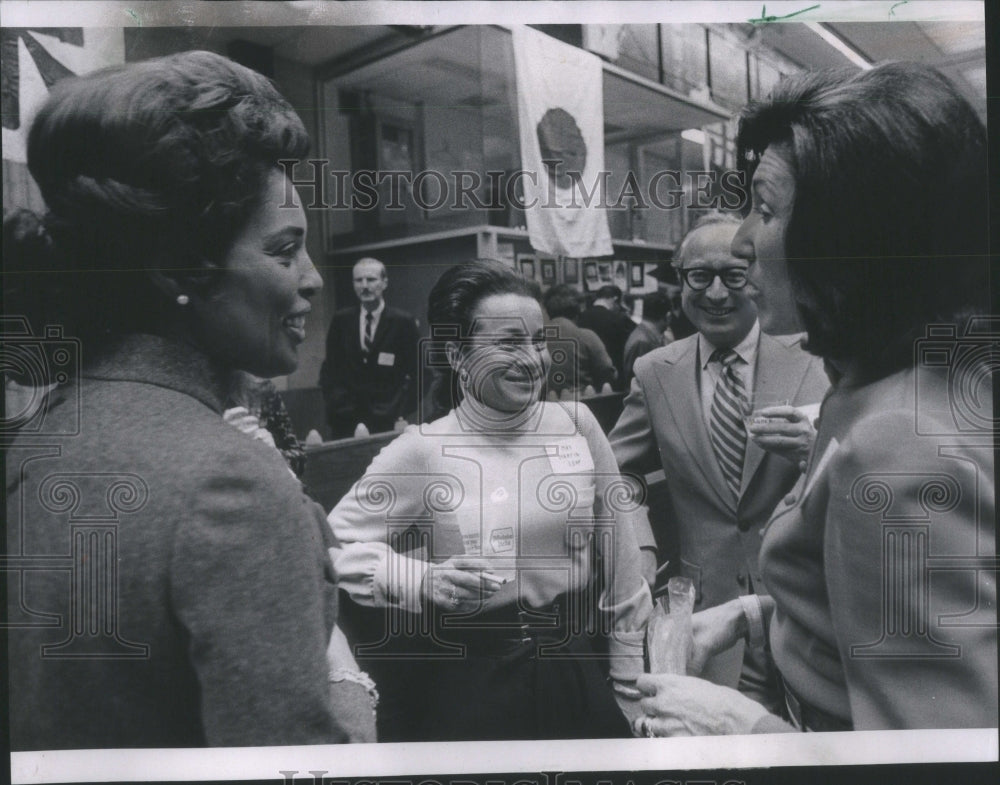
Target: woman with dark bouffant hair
200,606
484,532
869,216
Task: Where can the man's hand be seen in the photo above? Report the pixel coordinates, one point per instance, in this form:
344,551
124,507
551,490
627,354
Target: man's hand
714,630
783,430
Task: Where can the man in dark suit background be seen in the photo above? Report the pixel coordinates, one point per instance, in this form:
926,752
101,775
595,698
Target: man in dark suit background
370,372
607,318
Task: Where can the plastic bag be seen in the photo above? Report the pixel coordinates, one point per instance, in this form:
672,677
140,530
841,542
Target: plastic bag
668,634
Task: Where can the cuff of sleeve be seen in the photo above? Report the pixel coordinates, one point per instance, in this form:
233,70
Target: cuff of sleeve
756,637
633,611
397,580
625,650
769,723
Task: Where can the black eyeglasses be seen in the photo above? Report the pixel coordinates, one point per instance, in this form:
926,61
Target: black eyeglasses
700,278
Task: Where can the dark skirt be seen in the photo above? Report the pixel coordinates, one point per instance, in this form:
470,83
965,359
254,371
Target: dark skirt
505,675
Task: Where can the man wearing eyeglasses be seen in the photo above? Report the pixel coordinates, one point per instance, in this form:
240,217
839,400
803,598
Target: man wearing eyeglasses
686,415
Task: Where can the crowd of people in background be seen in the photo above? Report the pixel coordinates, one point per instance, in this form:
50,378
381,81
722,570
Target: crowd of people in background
503,544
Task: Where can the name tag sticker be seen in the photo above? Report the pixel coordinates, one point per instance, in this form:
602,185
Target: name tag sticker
386,358
502,540
570,456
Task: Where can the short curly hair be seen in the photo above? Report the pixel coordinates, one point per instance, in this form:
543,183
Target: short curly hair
153,164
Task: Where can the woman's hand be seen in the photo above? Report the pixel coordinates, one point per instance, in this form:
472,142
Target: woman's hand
713,631
687,706
786,431
460,584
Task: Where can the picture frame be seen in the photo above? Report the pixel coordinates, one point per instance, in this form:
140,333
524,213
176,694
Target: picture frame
620,276
571,271
637,274
526,265
604,272
547,268
590,272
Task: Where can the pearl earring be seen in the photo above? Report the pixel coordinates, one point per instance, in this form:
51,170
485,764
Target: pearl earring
183,299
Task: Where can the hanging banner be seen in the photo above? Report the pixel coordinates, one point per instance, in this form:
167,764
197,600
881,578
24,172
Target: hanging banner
33,59
560,95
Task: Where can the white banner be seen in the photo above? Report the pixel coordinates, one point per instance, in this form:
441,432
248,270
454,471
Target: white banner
34,59
560,100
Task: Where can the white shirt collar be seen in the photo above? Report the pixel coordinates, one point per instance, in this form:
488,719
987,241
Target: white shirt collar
746,349
376,313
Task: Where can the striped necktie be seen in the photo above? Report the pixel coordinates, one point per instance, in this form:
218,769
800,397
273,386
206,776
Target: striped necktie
368,331
726,429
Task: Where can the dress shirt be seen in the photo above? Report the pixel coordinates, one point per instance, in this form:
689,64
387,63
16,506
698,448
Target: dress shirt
376,315
709,375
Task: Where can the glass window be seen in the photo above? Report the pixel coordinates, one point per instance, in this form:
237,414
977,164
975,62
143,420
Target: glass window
637,50
684,53
768,76
430,121
729,71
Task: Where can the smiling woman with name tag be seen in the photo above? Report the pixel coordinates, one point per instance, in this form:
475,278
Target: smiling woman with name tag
499,533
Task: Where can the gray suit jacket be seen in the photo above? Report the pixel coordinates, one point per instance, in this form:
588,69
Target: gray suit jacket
663,426
168,580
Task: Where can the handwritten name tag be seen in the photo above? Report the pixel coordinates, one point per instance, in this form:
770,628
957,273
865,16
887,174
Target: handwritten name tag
570,455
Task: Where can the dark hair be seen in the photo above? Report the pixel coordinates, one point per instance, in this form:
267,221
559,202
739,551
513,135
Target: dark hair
150,165
563,300
888,232
655,306
450,308
608,292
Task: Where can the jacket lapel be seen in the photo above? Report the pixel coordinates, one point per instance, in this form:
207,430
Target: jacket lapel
679,382
778,375
380,331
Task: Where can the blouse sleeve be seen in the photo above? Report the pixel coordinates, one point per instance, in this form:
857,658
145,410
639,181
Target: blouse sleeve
367,567
906,513
626,597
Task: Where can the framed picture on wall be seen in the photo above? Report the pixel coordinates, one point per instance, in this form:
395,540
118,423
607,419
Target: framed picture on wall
604,272
571,271
590,272
620,278
547,267
637,274
526,264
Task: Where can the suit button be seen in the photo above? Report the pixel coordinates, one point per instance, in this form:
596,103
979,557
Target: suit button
741,579
790,499
743,525
803,466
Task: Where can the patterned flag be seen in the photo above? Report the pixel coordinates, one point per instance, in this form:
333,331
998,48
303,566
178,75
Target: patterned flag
560,92
31,61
